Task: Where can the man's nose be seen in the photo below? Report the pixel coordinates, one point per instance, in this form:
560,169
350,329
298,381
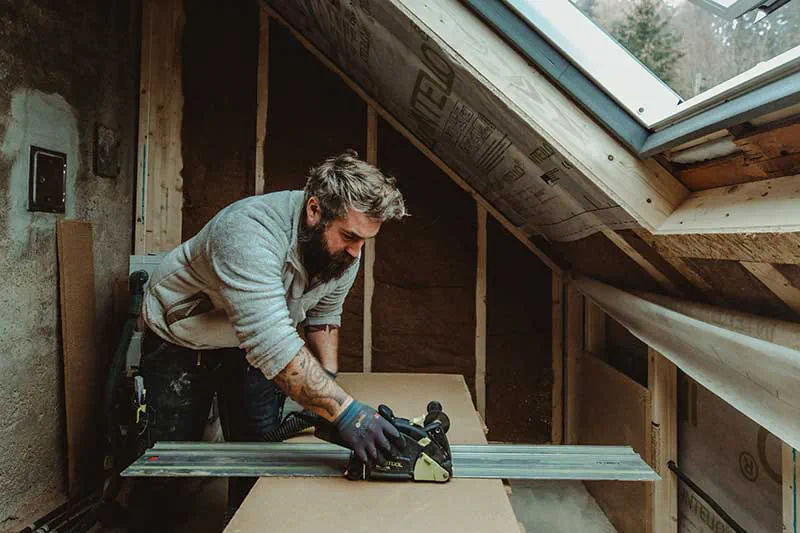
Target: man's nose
355,248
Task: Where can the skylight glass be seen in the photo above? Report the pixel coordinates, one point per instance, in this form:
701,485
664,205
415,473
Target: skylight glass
663,60
691,48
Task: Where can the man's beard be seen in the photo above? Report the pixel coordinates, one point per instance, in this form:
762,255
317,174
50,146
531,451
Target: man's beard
319,262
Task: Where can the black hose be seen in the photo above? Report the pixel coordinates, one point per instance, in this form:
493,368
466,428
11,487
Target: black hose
292,424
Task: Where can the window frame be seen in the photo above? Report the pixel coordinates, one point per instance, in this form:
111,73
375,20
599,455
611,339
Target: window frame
533,28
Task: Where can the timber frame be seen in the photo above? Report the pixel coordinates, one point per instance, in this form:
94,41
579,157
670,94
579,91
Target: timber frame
577,304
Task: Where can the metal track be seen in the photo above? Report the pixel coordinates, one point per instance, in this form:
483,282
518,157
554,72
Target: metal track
506,461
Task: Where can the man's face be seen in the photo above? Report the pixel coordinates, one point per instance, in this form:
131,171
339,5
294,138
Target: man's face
329,249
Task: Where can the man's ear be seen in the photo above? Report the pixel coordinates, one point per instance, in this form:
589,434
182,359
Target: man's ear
313,211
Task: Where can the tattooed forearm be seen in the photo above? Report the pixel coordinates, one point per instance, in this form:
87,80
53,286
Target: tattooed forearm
306,382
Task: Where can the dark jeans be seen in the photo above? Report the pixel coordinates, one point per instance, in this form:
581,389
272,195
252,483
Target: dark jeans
180,385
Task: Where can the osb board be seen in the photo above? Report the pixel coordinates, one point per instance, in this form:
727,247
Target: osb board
466,505
756,247
732,458
518,341
218,134
618,417
313,115
82,364
790,272
653,257
600,259
432,92
423,307
741,290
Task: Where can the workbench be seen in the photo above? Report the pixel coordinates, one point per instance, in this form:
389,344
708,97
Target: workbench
303,505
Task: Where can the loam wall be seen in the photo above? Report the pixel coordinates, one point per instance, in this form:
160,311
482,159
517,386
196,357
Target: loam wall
65,67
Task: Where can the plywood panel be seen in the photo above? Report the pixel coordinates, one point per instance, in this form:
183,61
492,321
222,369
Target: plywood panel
618,417
466,505
82,366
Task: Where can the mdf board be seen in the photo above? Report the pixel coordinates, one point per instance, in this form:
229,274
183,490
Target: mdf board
615,410
294,505
81,362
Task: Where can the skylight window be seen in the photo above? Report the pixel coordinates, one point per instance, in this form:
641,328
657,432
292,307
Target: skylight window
665,60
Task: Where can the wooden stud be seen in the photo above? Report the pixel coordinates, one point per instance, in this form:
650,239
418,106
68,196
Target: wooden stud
369,246
146,57
663,385
595,330
405,132
574,354
642,261
262,99
775,282
159,209
557,427
480,316
790,474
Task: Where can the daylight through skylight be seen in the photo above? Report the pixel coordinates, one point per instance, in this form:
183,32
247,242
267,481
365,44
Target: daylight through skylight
701,56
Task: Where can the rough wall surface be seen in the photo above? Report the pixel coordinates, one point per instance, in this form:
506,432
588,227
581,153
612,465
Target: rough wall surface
65,67
312,115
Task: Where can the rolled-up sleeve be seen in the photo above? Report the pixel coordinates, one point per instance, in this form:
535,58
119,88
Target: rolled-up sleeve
329,309
243,253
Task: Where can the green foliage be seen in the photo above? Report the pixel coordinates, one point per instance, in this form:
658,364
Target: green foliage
645,33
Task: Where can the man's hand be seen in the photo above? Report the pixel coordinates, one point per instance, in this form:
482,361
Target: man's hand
366,432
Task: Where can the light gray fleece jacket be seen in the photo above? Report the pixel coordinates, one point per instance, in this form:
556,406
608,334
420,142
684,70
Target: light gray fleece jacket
240,282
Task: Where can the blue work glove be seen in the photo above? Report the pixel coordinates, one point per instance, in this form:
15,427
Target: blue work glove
366,432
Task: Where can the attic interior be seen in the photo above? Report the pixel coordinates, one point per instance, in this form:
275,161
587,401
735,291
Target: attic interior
588,295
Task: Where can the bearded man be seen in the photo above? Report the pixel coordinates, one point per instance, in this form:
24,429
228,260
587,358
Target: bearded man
222,311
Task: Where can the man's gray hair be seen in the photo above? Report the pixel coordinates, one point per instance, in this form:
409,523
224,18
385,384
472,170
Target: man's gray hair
346,182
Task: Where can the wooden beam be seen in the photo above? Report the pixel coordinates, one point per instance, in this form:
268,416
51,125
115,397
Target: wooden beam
776,282
644,189
662,381
414,140
763,206
369,246
557,426
642,261
262,99
480,315
755,376
159,193
574,355
790,470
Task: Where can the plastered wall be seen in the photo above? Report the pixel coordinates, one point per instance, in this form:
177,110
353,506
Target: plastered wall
65,67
